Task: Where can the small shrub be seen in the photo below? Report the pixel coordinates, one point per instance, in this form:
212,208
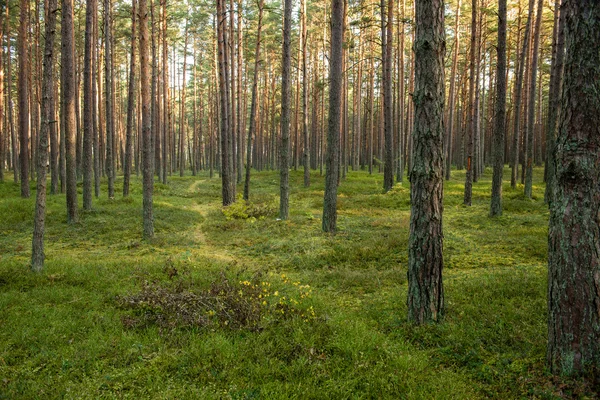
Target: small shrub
258,209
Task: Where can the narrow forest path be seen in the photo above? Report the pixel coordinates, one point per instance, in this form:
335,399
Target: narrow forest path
206,248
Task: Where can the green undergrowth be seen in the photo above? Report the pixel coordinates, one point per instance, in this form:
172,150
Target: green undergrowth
235,304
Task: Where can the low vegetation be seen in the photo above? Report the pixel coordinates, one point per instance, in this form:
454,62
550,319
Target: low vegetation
236,304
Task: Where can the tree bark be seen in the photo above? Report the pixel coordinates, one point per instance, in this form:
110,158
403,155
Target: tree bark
425,261
284,172
472,127
88,111
500,116
253,105
68,106
335,102
130,106
23,97
574,231
37,247
532,96
109,123
388,170
147,178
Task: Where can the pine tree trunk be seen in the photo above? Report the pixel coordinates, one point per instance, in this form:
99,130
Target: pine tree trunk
130,106
23,97
388,171
531,107
148,153
554,101
37,248
284,173
253,104
88,111
574,232
472,127
109,122
333,131
68,106
425,261
452,96
500,114
306,149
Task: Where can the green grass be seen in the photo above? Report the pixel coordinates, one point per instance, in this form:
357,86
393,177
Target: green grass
62,333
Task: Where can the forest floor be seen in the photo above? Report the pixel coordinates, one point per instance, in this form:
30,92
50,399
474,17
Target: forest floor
236,304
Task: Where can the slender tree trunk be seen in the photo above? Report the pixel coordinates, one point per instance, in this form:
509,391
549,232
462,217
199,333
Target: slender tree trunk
305,134
554,100
226,176
68,106
37,248
472,130
388,171
452,95
253,105
165,106
130,106
182,108
517,102
425,261
88,101
335,100
109,122
500,116
574,232
23,97
532,95
284,172
148,175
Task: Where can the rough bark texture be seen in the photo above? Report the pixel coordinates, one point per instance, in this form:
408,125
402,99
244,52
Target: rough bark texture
68,106
88,111
147,173
37,247
284,173
574,233
252,125
425,261
23,98
500,113
130,107
335,103
532,96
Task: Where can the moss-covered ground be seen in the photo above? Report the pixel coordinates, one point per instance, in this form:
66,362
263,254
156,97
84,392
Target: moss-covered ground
65,334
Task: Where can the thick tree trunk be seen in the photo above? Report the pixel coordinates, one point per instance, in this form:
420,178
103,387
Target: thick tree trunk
284,172
37,247
335,102
147,179
500,113
425,261
68,106
574,232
